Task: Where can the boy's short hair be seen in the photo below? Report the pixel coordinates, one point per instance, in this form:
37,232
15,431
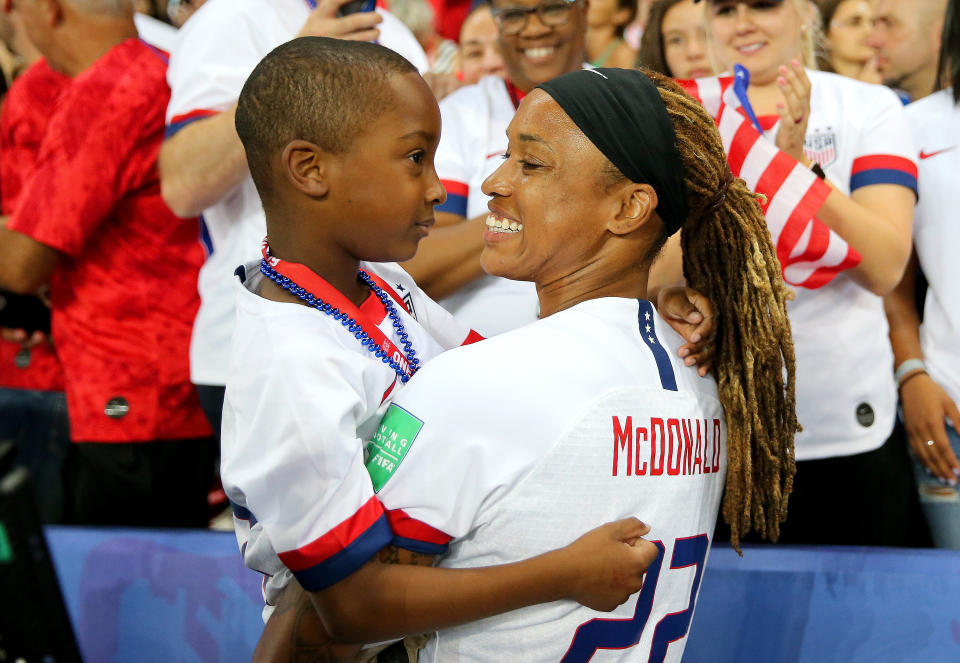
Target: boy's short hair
316,89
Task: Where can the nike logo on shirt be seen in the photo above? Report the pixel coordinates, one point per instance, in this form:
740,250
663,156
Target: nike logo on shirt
927,155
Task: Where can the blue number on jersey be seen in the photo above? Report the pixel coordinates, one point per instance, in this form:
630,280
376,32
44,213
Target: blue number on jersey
623,633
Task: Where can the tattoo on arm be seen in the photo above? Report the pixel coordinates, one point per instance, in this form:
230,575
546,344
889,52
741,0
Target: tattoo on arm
295,633
395,555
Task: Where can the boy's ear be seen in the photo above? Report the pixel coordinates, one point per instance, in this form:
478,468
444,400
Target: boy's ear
305,166
637,204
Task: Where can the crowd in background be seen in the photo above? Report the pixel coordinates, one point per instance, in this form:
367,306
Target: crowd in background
127,204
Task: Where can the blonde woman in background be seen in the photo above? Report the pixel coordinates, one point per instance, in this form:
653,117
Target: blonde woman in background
854,485
846,28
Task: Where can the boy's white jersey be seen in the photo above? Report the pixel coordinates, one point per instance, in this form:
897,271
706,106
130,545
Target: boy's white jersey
522,443
472,146
302,395
846,397
214,54
935,122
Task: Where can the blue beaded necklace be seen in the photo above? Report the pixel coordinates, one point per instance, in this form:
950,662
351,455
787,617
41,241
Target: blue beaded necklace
350,323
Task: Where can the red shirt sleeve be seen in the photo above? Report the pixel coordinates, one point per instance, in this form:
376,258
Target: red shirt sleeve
88,161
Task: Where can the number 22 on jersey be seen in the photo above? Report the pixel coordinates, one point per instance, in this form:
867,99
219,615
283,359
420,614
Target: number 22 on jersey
623,633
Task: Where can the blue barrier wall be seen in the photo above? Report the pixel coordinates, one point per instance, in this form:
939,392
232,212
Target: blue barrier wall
170,597
782,604
157,596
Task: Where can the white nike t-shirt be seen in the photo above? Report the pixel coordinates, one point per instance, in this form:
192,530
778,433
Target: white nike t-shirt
935,123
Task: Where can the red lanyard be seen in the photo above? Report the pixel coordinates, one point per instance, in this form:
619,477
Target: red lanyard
317,286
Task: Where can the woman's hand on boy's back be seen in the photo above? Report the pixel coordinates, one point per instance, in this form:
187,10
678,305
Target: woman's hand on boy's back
324,22
691,315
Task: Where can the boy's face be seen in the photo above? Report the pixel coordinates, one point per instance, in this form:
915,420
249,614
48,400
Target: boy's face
385,185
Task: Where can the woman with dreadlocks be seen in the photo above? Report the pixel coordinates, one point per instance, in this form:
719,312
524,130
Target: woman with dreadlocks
507,449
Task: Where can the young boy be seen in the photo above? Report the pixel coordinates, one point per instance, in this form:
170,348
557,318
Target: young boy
340,137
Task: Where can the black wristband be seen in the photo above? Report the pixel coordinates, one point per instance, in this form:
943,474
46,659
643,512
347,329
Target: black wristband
818,171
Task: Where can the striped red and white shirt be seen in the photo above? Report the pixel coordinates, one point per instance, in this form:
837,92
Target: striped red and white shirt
858,133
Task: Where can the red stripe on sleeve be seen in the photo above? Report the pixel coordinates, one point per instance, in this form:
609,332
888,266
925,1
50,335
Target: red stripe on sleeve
472,337
192,115
455,188
334,540
883,161
411,528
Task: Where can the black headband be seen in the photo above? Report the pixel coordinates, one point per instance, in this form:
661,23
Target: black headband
622,113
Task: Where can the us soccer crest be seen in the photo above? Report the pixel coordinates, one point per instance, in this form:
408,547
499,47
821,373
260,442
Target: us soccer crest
821,146
408,303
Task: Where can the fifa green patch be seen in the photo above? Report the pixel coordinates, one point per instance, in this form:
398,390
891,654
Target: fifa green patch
6,550
390,444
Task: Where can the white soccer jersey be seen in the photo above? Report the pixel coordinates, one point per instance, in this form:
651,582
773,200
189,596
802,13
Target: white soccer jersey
472,145
302,393
846,397
216,50
155,32
935,122
524,442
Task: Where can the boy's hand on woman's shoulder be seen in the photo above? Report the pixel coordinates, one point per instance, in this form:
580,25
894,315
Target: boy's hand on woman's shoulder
324,22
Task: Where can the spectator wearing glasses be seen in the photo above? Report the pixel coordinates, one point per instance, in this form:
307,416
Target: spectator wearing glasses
846,29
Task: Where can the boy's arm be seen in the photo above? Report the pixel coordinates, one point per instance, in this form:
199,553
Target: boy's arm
295,631
400,594
600,570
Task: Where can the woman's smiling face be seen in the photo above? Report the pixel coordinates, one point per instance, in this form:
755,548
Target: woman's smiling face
761,35
549,202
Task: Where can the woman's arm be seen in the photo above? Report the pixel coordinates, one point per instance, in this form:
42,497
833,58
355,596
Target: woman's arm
926,406
876,220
